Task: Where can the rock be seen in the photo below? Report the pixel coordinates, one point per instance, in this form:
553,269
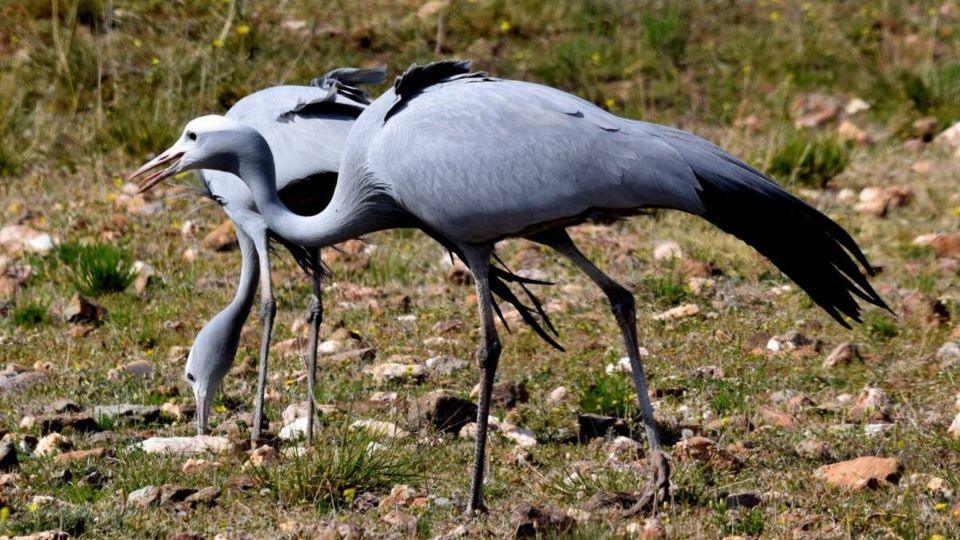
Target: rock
146,277
666,250
862,472
81,310
925,128
773,417
51,444
799,403
8,457
207,496
298,429
855,105
262,456
790,341
240,483
28,443
10,380
877,201
745,499
848,131
520,435
394,372
469,430
954,429
82,455
950,136
128,414
592,426
178,354
442,410
178,411
945,245
17,238
198,466
519,457
445,365
145,497
379,428
706,451
201,444
401,496
506,394
456,271
80,423
140,370
62,406
602,500
221,238
936,486
812,449
623,450
558,396
401,520
949,354
678,313
873,404
530,521
843,355
708,373
172,493
815,110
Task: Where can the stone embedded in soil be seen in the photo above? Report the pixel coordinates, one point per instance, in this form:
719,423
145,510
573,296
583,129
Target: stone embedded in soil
706,451
869,471
198,466
442,410
843,355
17,238
678,313
520,435
145,497
400,496
445,364
128,413
262,456
558,396
82,310
949,354
529,521
519,457
8,457
140,370
146,277
878,201
172,493
200,444
954,429
773,417
602,500
812,449
11,380
82,455
400,520
873,404
206,496
506,394
221,238
746,499
82,423
395,372
667,249
62,406
51,444
298,429
595,425
380,428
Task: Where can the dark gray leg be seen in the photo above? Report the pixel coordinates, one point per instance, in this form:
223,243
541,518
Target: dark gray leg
268,311
488,355
315,317
623,306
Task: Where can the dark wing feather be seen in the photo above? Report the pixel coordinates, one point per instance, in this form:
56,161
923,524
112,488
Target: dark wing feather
416,78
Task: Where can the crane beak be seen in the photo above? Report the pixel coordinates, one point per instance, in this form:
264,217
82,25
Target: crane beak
172,155
203,411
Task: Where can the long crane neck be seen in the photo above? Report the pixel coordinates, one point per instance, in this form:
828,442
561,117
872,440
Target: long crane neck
352,212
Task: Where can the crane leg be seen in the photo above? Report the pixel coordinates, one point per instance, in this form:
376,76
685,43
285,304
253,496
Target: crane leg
268,311
315,317
488,356
623,306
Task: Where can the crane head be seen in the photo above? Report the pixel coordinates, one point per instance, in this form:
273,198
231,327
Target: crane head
209,360
209,142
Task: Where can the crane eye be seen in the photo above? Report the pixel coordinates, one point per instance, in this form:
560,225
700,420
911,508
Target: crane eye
191,378
191,135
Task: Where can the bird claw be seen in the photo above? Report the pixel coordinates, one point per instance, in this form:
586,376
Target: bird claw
656,490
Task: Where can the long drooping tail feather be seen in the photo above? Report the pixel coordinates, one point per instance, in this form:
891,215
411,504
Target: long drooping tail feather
807,246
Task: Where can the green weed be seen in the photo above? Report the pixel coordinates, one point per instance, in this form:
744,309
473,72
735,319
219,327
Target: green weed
97,269
809,160
29,314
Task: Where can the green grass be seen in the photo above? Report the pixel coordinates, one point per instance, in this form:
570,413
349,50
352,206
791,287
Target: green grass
29,314
97,269
809,160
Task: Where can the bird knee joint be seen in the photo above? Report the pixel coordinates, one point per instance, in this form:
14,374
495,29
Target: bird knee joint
268,310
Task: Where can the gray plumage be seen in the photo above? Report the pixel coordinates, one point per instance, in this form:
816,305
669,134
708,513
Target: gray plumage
474,159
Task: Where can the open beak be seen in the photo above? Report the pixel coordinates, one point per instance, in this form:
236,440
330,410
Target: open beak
172,155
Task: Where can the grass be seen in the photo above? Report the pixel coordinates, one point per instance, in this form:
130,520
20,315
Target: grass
87,95
97,269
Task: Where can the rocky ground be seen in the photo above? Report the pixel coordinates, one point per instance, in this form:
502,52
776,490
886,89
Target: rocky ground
779,422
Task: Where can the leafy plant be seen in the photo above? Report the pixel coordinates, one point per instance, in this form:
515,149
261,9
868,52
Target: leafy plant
667,34
29,314
808,159
609,395
97,269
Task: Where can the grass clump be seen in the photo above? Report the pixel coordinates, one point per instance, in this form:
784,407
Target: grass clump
97,269
609,395
345,463
29,314
808,159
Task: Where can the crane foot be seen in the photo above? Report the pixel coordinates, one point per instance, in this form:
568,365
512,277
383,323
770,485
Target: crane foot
656,490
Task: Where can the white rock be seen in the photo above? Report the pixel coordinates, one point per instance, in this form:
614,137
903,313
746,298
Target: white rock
667,249
623,364
297,429
330,346
520,435
558,395
954,428
680,312
380,428
183,446
876,429
856,105
50,444
15,238
949,353
391,371
408,318
950,136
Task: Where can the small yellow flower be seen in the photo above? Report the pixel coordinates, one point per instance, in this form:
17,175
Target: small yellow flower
117,182
937,537
33,507
505,26
289,382
4,514
774,16
154,61
956,211
349,494
137,43
596,57
111,197
219,409
519,56
242,29
610,103
218,43
940,506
